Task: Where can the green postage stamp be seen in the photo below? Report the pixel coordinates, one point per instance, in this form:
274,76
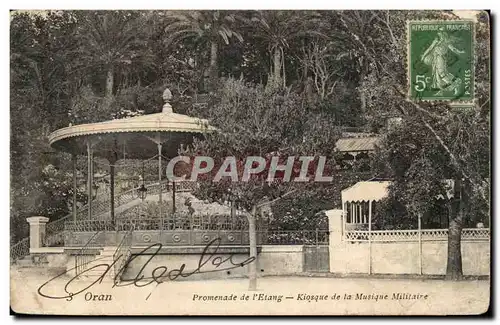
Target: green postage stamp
441,60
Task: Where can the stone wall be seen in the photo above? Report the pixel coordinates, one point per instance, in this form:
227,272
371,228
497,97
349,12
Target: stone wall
272,260
400,257
281,259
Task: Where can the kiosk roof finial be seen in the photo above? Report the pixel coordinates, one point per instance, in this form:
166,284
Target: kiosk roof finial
167,96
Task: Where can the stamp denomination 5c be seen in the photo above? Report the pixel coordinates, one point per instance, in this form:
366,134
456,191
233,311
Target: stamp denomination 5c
441,60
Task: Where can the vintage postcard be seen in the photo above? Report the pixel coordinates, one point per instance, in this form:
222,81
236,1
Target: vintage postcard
264,162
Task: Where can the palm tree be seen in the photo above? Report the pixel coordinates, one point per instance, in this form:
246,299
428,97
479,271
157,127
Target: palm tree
114,42
364,34
203,27
277,29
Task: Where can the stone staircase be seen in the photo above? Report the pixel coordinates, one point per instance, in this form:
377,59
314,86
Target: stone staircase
105,256
200,207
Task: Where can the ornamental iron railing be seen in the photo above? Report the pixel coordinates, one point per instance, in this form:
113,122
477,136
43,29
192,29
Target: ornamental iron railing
89,226
186,221
295,237
150,231
20,249
123,253
468,234
87,254
175,221
145,235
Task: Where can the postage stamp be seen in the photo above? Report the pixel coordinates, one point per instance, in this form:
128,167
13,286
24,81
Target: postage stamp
441,60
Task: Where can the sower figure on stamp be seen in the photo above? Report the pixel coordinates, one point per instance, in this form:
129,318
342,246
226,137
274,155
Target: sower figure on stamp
435,57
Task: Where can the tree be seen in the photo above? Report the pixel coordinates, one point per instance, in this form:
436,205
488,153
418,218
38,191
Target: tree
41,47
445,142
305,208
113,41
203,27
56,62
40,94
326,66
277,29
112,46
366,37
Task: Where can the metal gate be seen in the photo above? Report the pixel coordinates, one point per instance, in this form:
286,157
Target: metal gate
316,259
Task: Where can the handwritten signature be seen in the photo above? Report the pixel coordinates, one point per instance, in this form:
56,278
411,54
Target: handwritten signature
158,275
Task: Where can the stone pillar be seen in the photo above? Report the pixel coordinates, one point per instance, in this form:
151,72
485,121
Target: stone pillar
336,244
37,231
335,225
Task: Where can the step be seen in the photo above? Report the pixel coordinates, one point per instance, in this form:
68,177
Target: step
95,272
25,263
39,270
32,261
105,257
109,249
95,277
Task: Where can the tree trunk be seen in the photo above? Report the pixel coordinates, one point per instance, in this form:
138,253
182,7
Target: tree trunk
110,80
276,70
214,69
309,90
454,265
108,96
362,95
252,234
283,69
305,70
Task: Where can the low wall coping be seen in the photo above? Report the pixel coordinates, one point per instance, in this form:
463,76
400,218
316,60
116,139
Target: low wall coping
282,248
184,249
85,251
193,250
47,250
222,249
